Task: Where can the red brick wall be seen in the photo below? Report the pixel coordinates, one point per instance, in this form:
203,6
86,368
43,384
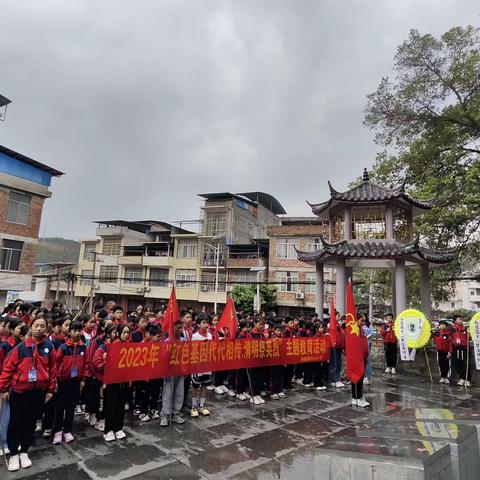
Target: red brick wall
35,214
27,261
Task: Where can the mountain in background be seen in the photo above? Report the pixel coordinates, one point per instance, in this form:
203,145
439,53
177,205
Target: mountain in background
57,249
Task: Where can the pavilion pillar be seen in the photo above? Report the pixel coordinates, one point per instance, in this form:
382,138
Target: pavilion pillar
394,294
425,291
319,285
400,286
347,223
389,222
341,289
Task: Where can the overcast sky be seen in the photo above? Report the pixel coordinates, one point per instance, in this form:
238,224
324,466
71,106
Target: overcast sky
144,104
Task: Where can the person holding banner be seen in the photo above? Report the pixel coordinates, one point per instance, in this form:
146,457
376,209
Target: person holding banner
390,344
172,395
444,346
200,381
460,339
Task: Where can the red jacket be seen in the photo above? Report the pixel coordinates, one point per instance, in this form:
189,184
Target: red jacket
26,357
5,348
443,341
100,340
99,362
70,357
388,333
459,336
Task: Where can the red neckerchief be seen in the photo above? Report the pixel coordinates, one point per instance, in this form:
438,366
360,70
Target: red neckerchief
71,343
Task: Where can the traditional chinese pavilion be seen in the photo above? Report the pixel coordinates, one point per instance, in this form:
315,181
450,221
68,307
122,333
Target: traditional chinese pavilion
372,227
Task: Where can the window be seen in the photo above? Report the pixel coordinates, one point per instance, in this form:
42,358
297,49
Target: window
368,223
11,253
336,229
133,276
314,244
159,277
108,274
207,282
242,276
18,208
286,248
185,278
86,277
112,246
400,224
187,249
310,277
288,281
88,251
215,223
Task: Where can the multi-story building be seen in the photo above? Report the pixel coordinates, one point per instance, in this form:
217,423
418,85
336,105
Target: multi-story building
465,295
296,280
130,261
24,186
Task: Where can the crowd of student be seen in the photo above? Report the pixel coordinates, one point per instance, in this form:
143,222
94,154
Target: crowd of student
52,365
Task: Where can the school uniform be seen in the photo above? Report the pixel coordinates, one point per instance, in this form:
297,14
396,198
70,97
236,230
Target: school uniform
460,342
357,388
277,373
187,379
92,404
29,372
114,395
201,379
289,369
335,364
140,387
241,378
257,373
72,368
390,343
444,346
173,394
320,369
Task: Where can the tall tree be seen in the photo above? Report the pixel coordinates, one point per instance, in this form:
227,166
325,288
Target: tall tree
427,118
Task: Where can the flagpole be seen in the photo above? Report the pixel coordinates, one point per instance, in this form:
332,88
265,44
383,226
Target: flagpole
250,384
468,361
428,365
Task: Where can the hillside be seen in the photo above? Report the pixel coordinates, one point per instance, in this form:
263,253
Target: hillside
56,249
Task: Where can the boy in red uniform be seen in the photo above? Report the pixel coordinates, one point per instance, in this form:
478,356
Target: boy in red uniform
460,339
28,380
444,346
72,370
390,344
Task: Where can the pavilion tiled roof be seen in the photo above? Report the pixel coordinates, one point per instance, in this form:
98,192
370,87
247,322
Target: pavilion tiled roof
366,193
381,250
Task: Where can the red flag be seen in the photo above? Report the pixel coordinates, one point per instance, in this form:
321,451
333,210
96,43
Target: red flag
355,340
228,321
171,314
332,327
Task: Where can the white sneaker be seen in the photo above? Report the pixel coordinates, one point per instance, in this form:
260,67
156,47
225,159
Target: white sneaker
394,371
442,380
14,463
461,382
446,380
109,436
339,384
25,462
468,384
260,398
298,381
367,381
5,451
263,393
255,401
241,396
281,395
247,395
211,387
388,370
120,434
224,388
100,425
38,426
361,402
219,390
87,417
231,393
274,396
92,420
321,388
78,410
333,384
354,402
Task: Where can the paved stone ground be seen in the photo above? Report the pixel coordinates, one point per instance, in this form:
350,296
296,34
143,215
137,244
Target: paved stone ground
239,441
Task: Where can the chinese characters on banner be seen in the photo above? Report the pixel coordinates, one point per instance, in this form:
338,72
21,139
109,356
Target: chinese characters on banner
128,362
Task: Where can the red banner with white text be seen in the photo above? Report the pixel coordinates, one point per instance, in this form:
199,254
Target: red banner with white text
127,362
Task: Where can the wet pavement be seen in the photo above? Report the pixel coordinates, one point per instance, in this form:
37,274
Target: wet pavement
277,440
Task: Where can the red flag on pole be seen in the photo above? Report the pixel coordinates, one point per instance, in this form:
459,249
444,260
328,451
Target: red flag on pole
355,341
332,327
171,314
228,321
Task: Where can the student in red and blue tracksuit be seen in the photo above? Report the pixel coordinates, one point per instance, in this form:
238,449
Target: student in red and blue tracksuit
72,370
28,380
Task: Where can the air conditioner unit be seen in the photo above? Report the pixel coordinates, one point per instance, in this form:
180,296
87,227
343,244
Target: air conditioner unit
204,288
299,295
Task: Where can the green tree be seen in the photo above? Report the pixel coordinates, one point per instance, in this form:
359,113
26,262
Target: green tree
243,296
428,120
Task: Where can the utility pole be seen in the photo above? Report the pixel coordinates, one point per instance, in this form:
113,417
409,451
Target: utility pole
92,283
57,291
